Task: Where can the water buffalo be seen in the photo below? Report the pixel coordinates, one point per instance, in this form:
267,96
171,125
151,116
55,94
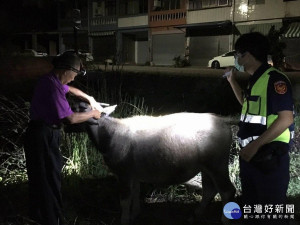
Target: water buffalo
167,149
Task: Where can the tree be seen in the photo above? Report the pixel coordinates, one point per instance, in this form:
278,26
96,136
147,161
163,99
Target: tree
277,45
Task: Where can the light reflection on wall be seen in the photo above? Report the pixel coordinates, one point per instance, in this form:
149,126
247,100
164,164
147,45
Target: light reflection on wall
243,9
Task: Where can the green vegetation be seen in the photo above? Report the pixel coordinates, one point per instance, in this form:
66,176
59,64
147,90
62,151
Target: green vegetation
180,62
277,45
81,157
13,121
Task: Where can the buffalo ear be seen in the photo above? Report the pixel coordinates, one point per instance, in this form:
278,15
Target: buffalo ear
109,110
84,107
80,106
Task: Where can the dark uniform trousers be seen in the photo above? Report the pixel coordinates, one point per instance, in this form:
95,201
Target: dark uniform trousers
44,164
260,188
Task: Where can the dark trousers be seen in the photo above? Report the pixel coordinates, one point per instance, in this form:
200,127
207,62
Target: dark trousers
261,188
44,164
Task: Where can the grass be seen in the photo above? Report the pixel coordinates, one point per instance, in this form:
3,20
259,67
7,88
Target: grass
294,186
13,121
81,158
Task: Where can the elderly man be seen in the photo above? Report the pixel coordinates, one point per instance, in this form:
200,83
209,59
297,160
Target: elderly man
49,109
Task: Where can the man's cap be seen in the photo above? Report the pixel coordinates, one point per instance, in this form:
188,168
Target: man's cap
68,60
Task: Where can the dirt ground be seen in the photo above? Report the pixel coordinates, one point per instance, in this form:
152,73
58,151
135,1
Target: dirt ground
95,202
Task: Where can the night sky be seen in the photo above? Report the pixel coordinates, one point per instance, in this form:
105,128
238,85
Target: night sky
27,15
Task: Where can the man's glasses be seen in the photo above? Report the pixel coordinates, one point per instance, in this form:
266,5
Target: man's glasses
79,72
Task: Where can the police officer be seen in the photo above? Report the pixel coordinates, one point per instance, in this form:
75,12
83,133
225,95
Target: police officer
264,134
49,109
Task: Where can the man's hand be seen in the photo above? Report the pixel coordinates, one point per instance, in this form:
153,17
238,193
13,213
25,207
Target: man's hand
284,120
231,77
80,94
230,73
249,151
96,114
94,104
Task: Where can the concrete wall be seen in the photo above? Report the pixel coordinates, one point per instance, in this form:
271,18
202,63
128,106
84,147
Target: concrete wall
209,15
133,21
272,9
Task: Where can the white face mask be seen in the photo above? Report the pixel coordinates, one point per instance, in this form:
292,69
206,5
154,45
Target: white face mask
238,66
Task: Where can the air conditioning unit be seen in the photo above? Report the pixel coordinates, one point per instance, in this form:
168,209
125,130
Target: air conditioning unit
157,3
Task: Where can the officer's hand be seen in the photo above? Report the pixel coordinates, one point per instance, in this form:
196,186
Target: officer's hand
249,151
96,114
231,71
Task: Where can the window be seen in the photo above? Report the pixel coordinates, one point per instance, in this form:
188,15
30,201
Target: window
143,5
256,2
209,3
195,4
160,5
133,7
170,4
203,4
98,9
104,8
110,7
223,2
230,53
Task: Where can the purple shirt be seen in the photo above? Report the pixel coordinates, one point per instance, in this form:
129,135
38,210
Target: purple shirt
49,103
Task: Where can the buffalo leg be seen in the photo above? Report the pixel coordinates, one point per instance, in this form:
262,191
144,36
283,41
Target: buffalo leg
226,190
135,199
209,192
129,200
125,201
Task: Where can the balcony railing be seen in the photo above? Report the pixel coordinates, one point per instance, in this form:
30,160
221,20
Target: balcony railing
99,21
166,18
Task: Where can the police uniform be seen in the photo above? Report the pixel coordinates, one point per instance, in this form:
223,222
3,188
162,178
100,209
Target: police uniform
265,178
43,158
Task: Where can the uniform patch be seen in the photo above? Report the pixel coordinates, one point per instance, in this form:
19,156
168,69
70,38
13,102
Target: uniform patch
280,87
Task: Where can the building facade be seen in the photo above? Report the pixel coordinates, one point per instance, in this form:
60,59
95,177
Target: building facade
154,32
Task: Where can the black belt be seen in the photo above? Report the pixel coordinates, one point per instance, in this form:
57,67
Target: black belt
42,123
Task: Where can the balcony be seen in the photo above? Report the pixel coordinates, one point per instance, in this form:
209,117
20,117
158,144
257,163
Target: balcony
167,18
133,21
103,23
99,21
